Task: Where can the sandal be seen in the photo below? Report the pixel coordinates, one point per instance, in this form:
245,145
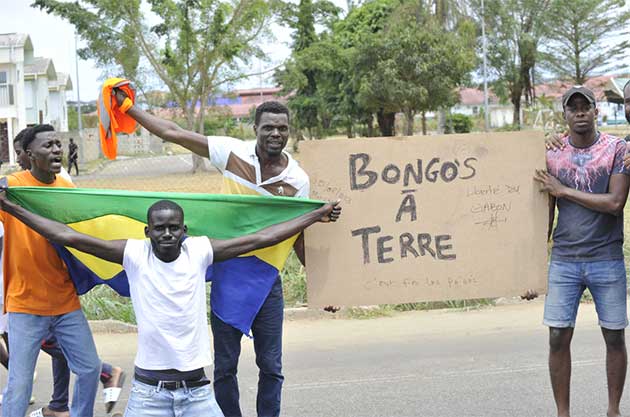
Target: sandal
40,413
111,395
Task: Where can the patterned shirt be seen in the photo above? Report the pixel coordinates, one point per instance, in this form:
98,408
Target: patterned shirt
582,234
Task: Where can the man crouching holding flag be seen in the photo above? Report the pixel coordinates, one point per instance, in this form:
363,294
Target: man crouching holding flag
166,277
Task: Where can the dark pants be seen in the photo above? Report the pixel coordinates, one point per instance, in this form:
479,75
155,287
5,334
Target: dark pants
73,163
267,333
61,375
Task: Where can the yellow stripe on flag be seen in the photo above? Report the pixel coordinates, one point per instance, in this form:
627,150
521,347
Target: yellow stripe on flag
112,227
276,255
109,227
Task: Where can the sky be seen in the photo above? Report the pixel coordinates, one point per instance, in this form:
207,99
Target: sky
54,38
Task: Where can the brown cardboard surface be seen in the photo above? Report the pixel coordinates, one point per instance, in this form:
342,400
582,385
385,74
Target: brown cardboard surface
427,218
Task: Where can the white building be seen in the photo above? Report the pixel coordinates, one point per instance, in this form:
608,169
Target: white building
37,74
31,91
16,51
57,103
471,103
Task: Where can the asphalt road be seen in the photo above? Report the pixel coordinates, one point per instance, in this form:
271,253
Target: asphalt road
124,167
490,362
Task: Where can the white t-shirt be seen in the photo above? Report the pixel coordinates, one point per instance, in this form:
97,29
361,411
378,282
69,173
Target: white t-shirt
169,299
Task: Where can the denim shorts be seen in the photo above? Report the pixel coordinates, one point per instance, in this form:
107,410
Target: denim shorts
606,280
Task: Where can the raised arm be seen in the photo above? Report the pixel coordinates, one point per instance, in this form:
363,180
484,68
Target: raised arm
230,248
110,250
166,129
611,202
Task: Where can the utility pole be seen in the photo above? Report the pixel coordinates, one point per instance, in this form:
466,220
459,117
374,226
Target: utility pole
485,67
80,123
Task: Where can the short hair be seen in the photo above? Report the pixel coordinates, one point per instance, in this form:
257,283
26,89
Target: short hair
31,133
20,136
270,107
164,205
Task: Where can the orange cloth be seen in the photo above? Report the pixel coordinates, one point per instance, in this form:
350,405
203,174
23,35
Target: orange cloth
111,118
36,280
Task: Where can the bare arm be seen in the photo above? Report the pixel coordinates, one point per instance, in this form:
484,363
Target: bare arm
110,250
552,215
298,247
230,248
166,129
611,202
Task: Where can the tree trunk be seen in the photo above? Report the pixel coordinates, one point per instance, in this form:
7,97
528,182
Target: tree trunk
424,123
386,122
516,121
515,98
441,121
370,129
349,132
298,138
409,115
199,163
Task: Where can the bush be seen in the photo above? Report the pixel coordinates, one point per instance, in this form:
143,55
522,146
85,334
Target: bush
458,123
294,282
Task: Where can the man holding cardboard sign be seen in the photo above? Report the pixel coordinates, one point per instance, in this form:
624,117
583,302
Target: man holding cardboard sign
587,181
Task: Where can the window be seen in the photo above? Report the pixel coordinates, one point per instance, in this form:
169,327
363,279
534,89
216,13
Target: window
6,89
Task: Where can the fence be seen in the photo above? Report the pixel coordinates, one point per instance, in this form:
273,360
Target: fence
141,144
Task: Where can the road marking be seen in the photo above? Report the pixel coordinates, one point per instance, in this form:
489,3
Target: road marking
449,374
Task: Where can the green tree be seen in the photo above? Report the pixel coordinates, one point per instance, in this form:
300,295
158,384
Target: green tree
586,35
300,75
356,33
195,47
330,64
515,30
417,66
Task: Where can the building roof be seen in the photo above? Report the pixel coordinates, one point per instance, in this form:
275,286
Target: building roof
258,91
17,40
556,89
614,89
41,66
63,80
474,97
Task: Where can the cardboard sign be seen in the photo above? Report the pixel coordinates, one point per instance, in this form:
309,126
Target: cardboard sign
427,218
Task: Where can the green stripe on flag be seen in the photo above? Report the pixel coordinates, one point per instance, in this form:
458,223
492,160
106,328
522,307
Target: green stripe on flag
221,216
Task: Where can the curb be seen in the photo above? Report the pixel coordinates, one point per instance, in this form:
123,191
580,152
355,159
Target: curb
290,314
297,313
111,326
